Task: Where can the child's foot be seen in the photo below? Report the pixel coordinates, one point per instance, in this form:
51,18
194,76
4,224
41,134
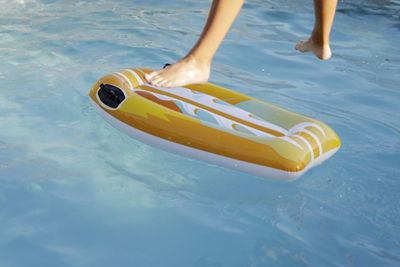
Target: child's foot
321,51
184,72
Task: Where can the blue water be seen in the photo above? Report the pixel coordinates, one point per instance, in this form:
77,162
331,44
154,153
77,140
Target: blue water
74,191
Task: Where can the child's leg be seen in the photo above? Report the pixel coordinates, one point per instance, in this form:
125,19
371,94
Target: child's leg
318,43
194,68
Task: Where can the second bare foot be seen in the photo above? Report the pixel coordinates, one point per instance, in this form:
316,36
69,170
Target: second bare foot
321,51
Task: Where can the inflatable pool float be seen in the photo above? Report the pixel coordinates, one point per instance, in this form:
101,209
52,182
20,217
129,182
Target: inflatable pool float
214,124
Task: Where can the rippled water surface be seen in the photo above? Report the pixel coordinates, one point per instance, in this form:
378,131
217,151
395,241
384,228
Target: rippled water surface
74,191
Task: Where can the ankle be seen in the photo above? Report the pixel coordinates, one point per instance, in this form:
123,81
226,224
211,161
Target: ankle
199,60
318,39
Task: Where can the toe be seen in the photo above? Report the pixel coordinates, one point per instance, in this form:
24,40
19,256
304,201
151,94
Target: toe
151,76
299,45
148,76
165,83
157,81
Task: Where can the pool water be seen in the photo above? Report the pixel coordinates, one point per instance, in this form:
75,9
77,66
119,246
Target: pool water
74,191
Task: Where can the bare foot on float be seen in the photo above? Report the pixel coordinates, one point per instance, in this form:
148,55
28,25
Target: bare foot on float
321,51
184,72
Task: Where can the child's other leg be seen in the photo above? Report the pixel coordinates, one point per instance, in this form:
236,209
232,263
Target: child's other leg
318,42
194,68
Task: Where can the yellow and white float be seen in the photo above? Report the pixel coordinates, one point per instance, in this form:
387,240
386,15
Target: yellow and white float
214,124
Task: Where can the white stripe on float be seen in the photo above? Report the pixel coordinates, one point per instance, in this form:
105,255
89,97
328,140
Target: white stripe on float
261,123
119,78
308,145
139,80
125,78
222,121
316,139
304,125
